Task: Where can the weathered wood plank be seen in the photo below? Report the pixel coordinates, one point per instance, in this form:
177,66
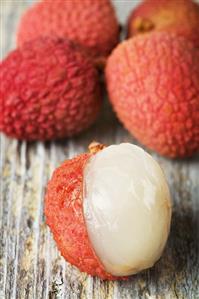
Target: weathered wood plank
30,264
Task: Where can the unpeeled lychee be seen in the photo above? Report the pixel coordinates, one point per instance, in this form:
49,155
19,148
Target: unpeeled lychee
153,84
109,211
177,16
91,23
49,89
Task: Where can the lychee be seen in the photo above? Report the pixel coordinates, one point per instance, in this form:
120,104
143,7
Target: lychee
49,89
90,23
153,84
109,211
180,17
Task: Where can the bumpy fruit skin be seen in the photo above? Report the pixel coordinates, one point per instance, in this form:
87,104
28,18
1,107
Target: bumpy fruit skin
64,215
49,90
153,84
178,16
91,23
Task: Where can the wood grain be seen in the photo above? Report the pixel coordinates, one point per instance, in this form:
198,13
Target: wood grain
30,265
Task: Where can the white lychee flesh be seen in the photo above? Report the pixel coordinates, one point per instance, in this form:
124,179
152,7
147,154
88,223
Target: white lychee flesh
127,208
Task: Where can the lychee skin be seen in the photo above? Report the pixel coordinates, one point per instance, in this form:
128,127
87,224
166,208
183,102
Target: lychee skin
153,84
64,216
90,23
180,17
49,90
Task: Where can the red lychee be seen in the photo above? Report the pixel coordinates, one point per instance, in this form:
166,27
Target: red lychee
153,84
91,23
49,89
109,211
180,17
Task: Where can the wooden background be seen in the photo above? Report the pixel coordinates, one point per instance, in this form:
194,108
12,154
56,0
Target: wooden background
30,265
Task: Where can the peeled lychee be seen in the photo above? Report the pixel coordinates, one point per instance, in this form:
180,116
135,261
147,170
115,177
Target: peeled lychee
153,84
109,211
49,89
177,16
90,23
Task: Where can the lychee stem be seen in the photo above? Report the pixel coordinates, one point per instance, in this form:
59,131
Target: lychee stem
95,147
100,63
142,25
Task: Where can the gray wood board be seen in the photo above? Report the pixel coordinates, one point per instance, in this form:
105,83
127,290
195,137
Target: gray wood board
30,264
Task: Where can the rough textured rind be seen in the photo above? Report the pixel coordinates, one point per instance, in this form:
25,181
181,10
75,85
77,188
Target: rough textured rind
91,23
153,84
64,215
178,16
49,90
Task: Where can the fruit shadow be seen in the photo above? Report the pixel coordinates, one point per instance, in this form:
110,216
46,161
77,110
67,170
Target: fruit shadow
103,130
178,264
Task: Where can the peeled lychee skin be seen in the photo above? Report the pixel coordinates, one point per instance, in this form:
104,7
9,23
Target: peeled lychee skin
91,23
153,84
49,90
64,216
180,17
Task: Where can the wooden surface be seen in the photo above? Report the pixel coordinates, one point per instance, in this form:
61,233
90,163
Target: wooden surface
30,265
